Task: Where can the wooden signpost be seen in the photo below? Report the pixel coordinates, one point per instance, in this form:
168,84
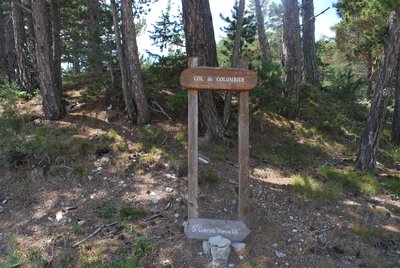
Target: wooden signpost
223,79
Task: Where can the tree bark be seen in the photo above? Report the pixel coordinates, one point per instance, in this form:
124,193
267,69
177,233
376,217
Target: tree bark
10,44
56,42
24,74
200,42
310,66
262,38
367,155
128,97
235,59
3,60
52,106
94,40
396,111
131,59
291,49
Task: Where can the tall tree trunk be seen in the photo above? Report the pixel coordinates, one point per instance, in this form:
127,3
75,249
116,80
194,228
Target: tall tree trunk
235,59
396,111
94,40
310,66
56,42
291,48
24,73
52,107
128,97
200,42
10,44
262,38
3,60
367,154
132,62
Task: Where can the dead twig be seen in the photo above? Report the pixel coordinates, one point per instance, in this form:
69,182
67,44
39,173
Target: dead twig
152,217
157,108
231,163
94,233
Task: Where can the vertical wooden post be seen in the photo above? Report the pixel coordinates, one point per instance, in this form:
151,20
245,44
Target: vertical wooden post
243,155
193,147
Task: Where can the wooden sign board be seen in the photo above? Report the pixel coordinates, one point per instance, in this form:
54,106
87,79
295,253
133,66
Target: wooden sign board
203,229
213,78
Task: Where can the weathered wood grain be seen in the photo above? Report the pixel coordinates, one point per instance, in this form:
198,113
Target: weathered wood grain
193,147
243,155
212,78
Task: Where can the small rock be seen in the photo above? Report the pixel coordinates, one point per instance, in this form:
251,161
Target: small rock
280,254
241,257
49,218
92,196
169,190
154,198
4,201
59,216
294,231
166,263
291,218
90,177
81,222
201,159
170,176
177,215
275,245
238,245
37,121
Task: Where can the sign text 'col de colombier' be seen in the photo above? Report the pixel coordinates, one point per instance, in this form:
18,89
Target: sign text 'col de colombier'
213,78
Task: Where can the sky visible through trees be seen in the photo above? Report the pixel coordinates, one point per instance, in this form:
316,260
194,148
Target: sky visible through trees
323,22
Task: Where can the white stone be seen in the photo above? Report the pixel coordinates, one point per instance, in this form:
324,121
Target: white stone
177,215
81,222
59,216
154,198
169,190
206,248
241,257
220,250
280,254
170,176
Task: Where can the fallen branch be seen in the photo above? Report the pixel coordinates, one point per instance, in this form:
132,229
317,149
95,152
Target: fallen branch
94,233
231,163
160,109
152,217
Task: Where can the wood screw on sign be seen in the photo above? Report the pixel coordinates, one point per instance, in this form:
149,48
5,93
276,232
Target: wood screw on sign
194,79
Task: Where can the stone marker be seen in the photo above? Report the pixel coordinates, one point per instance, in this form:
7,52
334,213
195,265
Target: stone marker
203,229
220,250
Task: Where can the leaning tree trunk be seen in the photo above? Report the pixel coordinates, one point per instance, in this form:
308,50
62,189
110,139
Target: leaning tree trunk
396,111
24,73
128,98
52,107
200,42
94,39
367,154
262,38
3,60
235,59
310,66
131,59
291,54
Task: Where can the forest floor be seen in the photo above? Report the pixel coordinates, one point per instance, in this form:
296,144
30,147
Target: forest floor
90,190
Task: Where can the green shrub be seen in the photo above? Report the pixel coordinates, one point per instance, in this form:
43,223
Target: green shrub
126,213
178,101
209,177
